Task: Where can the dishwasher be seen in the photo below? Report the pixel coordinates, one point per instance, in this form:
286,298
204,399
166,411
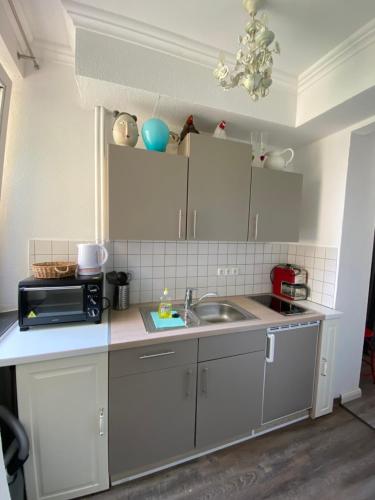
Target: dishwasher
289,369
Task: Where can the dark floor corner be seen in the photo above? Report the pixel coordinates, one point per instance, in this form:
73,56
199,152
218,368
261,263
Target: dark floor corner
330,458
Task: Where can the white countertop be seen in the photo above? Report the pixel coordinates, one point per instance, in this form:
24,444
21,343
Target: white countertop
128,329
327,311
42,343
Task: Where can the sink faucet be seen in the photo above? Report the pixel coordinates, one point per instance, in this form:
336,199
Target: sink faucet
189,298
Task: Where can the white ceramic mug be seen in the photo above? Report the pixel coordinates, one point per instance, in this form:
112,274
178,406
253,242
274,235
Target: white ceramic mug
91,257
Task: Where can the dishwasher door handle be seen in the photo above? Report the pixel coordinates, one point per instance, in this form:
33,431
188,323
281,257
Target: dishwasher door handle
270,354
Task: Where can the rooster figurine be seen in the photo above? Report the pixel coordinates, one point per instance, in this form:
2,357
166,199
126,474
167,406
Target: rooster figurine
188,128
220,131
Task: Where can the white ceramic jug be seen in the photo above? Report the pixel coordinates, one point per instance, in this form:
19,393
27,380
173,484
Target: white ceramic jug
275,159
91,258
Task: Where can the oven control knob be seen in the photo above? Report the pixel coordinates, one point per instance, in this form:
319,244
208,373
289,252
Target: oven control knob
93,288
94,312
92,301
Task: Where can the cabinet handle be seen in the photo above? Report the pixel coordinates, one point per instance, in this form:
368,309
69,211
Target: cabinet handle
148,356
180,224
101,422
270,356
195,224
204,380
324,367
256,227
189,373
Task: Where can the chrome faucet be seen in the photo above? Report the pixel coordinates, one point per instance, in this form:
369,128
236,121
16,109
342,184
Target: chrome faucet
189,298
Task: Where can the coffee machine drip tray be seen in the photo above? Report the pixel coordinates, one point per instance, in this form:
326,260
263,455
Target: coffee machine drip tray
277,304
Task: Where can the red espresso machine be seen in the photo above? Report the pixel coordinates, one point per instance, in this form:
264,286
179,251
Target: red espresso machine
290,282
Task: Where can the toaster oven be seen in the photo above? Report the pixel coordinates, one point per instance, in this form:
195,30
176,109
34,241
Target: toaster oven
60,300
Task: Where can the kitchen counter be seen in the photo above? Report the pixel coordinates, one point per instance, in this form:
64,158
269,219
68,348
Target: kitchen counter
7,319
44,343
127,329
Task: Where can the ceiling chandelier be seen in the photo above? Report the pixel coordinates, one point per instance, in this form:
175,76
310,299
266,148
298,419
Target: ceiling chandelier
254,58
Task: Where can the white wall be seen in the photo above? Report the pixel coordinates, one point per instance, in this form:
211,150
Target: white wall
324,165
48,183
355,262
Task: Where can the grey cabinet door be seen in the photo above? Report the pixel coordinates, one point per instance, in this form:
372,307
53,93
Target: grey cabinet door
289,379
146,194
151,417
275,205
219,189
229,399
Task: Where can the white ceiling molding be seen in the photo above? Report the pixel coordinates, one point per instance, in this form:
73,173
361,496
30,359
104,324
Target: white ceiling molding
151,37
61,54
355,43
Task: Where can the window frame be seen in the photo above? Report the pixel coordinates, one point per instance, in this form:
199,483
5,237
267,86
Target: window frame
4,115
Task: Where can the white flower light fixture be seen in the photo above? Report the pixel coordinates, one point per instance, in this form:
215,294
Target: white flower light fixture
254,58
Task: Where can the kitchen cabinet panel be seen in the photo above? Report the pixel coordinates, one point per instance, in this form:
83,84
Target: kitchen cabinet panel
219,188
63,406
289,374
152,357
275,205
152,418
147,194
221,346
325,366
229,398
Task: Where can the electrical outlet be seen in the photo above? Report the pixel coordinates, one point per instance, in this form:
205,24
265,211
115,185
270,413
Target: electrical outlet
220,271
235,271
227,271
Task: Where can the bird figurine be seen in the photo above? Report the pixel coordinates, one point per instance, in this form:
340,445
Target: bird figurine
220,131
188,128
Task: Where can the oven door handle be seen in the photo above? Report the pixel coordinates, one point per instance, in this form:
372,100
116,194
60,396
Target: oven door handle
47,288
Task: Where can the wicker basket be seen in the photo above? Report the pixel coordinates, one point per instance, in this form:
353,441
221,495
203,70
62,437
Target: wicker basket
54,269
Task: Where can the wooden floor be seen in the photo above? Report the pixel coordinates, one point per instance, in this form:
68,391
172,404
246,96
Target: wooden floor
332,457
364,407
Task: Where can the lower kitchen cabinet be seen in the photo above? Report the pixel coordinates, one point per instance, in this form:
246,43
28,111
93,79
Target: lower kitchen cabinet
323,388
229,399
290,370
152,417
63,406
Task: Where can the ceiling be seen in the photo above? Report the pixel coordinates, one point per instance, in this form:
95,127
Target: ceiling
306,29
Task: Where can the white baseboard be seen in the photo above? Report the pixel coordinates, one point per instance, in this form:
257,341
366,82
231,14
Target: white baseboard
349,396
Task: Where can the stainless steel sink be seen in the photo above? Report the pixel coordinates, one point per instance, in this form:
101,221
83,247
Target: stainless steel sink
203,313
220,312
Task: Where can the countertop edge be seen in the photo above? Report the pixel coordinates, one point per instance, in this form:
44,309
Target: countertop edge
23,360
207,331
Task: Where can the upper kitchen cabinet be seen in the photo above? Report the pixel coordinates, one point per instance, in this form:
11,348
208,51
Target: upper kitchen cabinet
275,205
147,194
219,188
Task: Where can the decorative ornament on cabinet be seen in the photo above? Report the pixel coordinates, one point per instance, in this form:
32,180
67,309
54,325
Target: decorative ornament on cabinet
188,128
220,131
155,135
125,129
276,160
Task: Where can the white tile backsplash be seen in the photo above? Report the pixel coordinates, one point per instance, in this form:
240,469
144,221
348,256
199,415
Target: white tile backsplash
321,265
158,264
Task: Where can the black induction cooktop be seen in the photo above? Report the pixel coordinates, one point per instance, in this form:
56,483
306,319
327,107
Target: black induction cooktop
278,305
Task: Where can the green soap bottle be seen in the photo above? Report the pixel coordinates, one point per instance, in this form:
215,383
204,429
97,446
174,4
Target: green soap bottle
165,305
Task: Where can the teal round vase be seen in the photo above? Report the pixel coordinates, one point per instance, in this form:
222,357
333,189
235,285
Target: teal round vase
155,134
